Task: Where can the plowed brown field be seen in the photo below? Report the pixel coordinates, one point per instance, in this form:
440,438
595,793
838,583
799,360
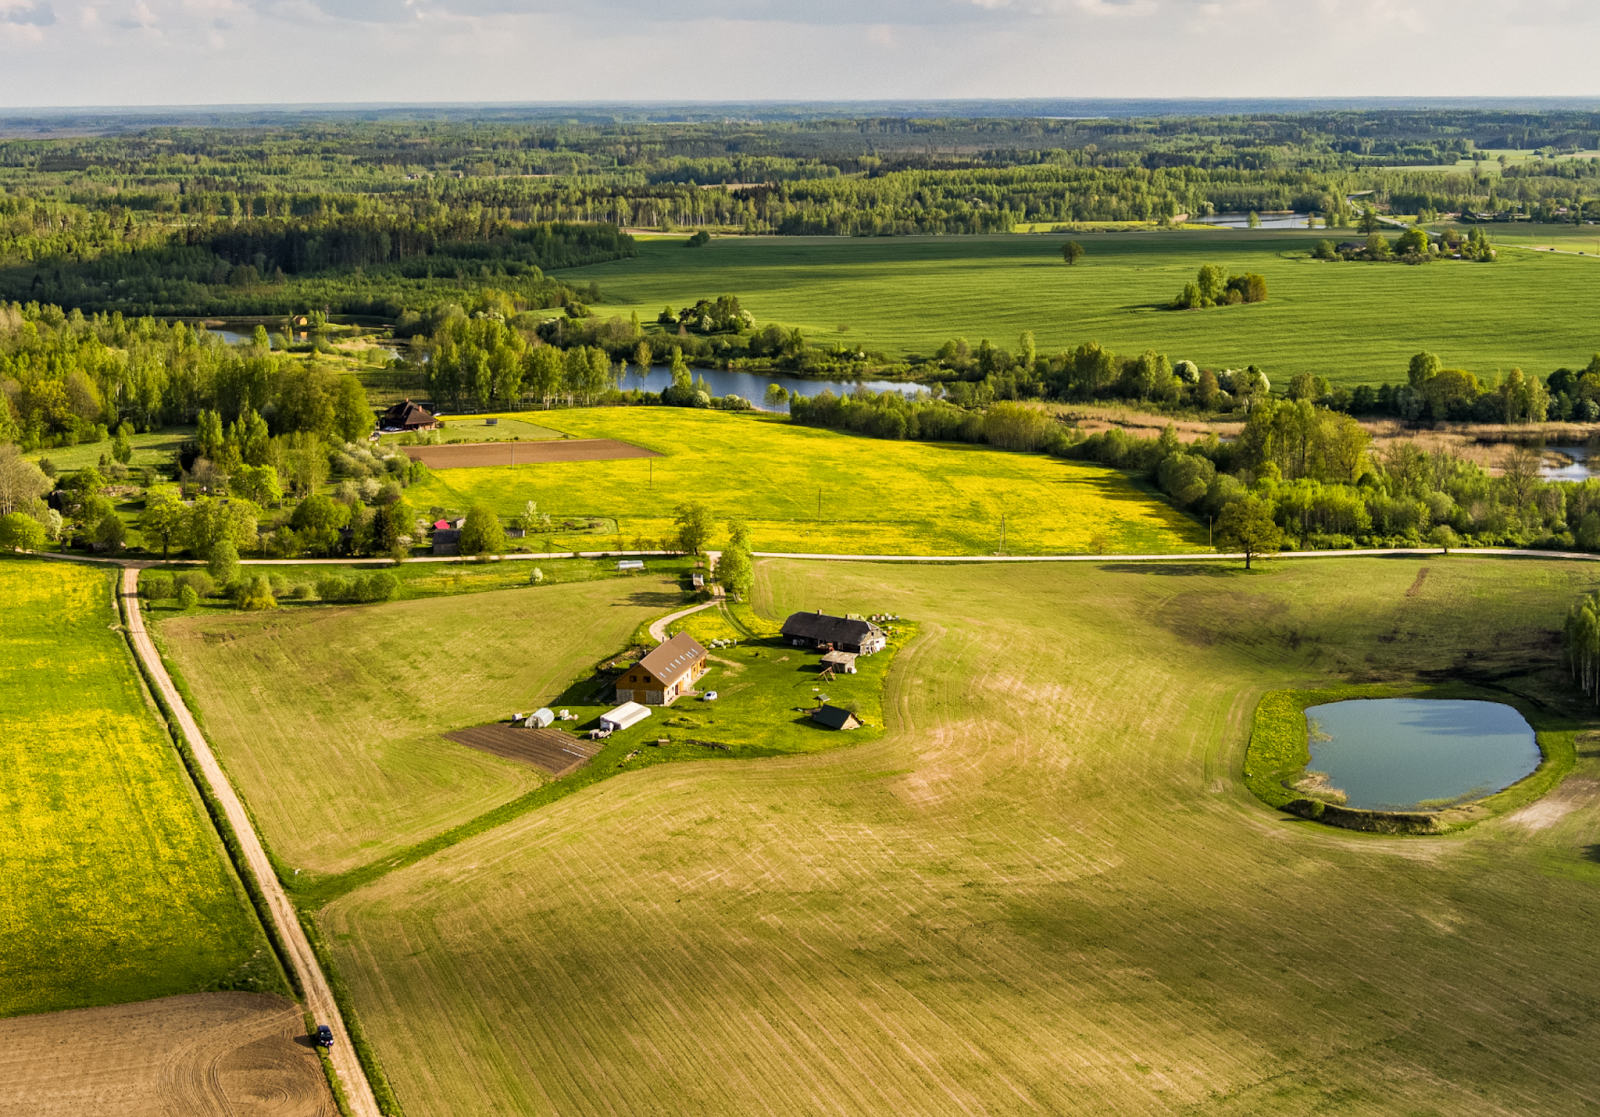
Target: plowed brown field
471,454
241,1054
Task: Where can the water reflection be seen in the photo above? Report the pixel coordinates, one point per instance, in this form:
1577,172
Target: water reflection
1268,220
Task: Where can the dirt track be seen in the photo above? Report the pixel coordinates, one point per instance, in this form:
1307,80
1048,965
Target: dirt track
318,994
241,1054
472,454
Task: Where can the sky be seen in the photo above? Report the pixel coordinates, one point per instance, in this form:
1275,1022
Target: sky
210,52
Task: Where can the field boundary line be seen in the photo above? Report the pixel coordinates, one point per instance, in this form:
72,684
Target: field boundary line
317,991
1209,556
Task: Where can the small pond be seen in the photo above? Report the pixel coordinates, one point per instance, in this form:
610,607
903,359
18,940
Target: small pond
1579,467
1397,754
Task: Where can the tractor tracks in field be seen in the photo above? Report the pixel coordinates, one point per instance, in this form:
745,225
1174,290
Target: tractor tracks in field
318,993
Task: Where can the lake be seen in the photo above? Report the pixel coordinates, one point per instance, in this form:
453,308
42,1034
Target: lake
1268,220
1580,468
1395,754
753,386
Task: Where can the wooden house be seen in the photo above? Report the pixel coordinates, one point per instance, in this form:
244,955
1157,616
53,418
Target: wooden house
844,634
666,673
407,416
844,663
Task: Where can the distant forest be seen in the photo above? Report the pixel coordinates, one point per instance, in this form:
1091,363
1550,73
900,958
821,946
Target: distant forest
375,217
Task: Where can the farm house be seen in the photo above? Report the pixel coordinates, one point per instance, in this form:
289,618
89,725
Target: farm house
667,672
844,634
407,416
629,713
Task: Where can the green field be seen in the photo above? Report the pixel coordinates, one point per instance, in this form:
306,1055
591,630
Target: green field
328,720
876,497
113,885
1045,890
1353,323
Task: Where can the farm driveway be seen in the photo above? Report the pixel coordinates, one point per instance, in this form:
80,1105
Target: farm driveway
319,997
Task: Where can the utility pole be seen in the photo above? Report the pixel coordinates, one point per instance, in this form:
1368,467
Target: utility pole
1002,533
819,502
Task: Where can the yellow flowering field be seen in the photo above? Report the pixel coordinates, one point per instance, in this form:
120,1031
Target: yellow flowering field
113,885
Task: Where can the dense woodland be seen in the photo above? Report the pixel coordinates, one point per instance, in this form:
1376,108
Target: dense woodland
379,217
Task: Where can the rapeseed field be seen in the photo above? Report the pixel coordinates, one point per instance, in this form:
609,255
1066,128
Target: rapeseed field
818,491
113,885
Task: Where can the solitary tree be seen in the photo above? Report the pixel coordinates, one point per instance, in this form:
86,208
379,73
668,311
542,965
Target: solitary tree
21,482
162,519
1246,525
223,564
777,395
694,526
20,532
482,533
1072,252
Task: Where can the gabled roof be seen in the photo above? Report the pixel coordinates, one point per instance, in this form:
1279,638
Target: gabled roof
829,630
405,414
672,658
834,717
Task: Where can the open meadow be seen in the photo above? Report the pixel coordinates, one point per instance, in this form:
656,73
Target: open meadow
113,885
328,719
1354,323
1046,889
874,496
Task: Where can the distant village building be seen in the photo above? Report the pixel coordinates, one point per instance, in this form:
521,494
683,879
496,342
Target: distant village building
666,673
407,416
446,541
843,634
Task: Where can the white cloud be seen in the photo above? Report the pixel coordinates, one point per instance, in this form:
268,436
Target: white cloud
63,52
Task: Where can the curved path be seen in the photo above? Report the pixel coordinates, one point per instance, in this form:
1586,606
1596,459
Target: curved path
658,629
318,996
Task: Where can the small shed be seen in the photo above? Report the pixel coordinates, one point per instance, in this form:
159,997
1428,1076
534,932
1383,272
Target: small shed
539,719
629,713
699,581
835,717
631,564
842,662
446,542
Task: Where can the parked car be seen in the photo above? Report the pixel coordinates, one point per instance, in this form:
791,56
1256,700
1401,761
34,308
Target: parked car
324,1037
709,696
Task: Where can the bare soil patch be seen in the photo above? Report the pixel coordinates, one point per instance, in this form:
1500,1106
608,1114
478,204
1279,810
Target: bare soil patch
549,750
242,1054
470,455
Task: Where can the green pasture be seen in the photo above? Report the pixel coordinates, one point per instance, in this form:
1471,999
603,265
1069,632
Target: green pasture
1354,323
113,885
1045,889
809,490
328,719
155,449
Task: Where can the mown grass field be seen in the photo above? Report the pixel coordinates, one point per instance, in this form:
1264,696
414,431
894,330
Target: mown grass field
1046,889
876,497
328,718
113,885
1353,323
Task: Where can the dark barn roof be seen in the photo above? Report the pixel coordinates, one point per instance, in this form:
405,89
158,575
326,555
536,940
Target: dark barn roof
835,717
406,414
673,658
828,630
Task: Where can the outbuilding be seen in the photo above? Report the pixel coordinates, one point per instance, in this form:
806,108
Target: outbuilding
629,713
630,564
843,663
666,673
539,719
844,634
835,717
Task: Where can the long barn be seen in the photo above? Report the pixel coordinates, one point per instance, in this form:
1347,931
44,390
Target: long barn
844,634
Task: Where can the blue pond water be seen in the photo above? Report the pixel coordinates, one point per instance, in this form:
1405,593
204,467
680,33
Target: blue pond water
1402,753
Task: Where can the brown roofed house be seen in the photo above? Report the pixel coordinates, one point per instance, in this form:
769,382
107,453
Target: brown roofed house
666,673
408,416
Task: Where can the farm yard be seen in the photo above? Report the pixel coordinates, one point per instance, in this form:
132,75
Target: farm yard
1044,883
1352,323
113,885
875,496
